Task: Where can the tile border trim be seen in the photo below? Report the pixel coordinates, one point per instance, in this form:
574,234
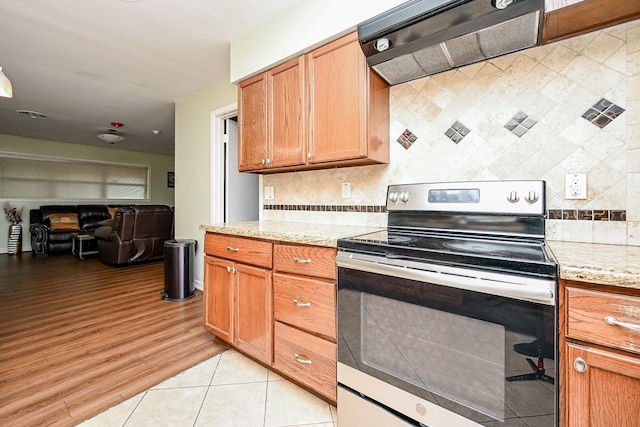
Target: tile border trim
556,214
328,208
587,214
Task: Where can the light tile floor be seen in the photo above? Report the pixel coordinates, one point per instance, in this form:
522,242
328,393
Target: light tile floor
224,391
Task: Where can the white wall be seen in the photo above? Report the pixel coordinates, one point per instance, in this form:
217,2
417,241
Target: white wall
192,155
304,26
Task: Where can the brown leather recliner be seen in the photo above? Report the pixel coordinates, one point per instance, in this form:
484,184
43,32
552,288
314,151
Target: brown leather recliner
138,234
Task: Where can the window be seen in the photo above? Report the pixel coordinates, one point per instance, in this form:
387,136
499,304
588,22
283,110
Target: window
37,177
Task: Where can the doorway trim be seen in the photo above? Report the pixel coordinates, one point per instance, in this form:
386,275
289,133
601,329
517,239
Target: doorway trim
216,177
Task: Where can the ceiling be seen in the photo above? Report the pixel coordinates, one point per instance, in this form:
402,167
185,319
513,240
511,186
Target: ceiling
88,63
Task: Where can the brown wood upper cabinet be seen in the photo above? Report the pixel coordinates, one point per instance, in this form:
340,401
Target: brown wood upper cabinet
586,16
321,110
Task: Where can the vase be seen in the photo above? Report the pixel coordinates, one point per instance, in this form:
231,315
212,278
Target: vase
15,239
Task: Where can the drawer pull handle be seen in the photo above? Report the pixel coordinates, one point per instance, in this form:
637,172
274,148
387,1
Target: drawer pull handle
301,360
610,320
302,261
231,269
579,364
301,304
232,249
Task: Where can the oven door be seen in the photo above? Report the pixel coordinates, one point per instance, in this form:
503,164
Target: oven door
429,352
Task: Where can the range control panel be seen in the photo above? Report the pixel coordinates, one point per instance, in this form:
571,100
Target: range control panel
495,197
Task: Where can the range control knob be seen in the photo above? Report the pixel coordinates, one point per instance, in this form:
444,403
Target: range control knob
513,196
532,197
404,197
393,196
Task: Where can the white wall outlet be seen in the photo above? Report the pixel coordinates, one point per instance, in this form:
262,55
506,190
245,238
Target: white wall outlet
575,186
269,192
346,190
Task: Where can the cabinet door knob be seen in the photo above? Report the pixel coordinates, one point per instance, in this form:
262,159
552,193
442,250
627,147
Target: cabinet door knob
301,304
610,320
579,364
302,261
263,162
301,359
232,249
231,269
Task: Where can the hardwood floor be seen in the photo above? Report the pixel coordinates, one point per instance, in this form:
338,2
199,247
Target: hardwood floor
77,337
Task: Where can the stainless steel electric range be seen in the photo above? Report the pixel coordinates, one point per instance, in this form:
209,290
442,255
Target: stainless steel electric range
448,317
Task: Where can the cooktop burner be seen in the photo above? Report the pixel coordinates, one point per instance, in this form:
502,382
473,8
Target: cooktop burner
490,253
455,244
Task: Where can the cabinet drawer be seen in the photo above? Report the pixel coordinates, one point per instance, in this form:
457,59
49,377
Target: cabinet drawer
305,303
308,260
315,364
587,311
240,249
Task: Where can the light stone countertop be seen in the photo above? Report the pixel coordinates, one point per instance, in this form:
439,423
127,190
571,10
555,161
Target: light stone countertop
616,265
293,232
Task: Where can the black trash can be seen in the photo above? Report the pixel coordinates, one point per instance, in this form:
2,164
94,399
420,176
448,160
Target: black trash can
179,256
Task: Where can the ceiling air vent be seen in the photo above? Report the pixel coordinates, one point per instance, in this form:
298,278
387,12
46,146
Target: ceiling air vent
32,114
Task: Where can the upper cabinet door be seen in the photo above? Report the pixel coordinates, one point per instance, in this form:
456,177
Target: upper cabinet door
337,88
252,123
324,109
287,119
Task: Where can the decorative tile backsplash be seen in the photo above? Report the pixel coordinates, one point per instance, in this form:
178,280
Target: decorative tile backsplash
407,139
602,113
543,94
457,132
327,208
520,123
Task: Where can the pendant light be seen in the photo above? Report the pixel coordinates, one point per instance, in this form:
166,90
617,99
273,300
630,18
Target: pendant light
6,90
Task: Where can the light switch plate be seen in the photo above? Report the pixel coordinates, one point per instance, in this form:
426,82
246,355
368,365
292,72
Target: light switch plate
269,192
346,190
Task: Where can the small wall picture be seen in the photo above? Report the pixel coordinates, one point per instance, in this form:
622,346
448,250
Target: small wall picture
171,179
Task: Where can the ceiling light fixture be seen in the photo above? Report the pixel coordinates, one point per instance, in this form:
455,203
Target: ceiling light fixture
111,136
6,90
32,114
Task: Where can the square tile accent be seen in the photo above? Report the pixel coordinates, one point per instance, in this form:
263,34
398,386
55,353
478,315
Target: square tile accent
554,214
602,113
618,215
407,139
520,123
457,132
600,215
585,215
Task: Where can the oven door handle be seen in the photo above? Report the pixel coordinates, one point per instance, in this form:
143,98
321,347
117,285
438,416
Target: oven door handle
533,290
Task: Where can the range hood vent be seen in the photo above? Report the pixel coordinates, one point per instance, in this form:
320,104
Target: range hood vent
424,37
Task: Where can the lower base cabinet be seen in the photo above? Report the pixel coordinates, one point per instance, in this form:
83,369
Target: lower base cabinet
603,388
307,358
600,385
238,306
276,304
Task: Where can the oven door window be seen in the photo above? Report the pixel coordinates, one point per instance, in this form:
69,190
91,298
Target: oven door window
452,347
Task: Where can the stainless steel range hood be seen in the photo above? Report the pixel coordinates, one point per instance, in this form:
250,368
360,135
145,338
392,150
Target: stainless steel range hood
423,37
